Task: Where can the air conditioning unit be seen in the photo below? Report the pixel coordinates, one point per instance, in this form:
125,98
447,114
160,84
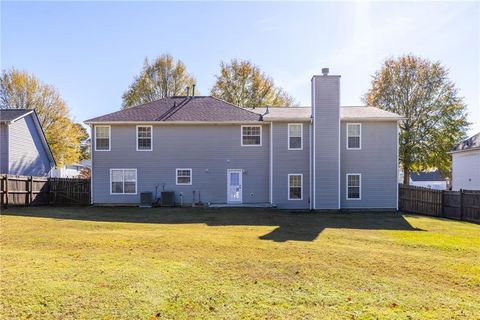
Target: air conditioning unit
146,200
167,199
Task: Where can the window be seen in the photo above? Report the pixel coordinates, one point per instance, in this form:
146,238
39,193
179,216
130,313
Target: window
295,186
354,132
251,135
123,181
295,136
354,183
184,176
144,138
102,138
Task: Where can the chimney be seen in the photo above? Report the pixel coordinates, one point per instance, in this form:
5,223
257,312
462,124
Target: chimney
193,91
326,141
187,91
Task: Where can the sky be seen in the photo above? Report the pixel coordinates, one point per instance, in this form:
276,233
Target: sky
91,51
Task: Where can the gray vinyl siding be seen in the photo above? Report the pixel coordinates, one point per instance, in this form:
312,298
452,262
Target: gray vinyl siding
376,162
27,154
3,148
209,150
290,161
326,113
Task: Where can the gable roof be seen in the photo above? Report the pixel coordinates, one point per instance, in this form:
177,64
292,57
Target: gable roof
9,116
472,143
179,109
346,113
427,176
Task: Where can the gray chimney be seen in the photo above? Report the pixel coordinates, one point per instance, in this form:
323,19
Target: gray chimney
193,91
325,71
187,91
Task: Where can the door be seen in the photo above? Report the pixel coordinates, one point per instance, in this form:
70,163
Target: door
234,186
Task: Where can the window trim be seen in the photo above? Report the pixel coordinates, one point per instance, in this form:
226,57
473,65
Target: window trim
109,137
301,136
359,186
301,186
123,193
359,136
176,177
241,135
151,136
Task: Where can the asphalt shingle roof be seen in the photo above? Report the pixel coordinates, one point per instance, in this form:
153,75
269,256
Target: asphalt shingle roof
304,113
198,108
12,114
427,176
470,143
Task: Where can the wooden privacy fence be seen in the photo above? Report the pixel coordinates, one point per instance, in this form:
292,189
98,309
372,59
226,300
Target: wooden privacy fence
29,190
459,205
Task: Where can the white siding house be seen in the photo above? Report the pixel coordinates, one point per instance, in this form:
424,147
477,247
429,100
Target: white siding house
466,164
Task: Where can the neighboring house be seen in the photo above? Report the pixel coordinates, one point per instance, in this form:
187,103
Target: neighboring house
319,157
430,179
466,164
23,147
71,170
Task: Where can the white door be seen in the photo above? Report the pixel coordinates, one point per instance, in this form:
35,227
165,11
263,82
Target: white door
234,186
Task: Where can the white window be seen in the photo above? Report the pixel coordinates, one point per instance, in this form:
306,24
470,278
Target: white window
251,135
295,186
184,176
102,138
144,138
354,133
295,136
354,186
123,181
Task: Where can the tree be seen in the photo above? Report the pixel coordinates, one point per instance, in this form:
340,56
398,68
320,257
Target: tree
20,90
242,83
435,116
163,77
85,142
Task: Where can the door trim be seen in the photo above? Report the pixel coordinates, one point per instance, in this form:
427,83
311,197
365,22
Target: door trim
240,171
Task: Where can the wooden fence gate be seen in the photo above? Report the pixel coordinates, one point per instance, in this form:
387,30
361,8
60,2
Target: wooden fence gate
31,191
459,205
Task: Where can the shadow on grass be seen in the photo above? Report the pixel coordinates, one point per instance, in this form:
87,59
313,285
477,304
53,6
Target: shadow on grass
296,226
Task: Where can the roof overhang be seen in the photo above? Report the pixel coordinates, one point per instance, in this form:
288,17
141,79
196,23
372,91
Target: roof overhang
16,119
464,150
171,122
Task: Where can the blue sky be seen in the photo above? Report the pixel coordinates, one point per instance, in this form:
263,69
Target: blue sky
91,51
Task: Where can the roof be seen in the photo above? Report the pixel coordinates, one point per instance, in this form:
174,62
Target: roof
179,109
472,143
427,176
10,115
346,113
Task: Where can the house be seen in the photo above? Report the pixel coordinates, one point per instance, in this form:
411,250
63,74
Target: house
23,147
73,170
428,179
466,164
323,157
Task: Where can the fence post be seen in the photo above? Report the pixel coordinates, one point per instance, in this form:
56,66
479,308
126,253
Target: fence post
461,204
442,213
30,190
6,191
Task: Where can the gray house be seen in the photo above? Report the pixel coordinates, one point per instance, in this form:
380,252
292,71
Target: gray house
23,147
324,157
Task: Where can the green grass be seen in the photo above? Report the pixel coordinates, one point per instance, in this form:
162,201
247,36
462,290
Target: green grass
130,263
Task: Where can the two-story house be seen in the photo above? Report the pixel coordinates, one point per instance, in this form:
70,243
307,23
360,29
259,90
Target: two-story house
324,157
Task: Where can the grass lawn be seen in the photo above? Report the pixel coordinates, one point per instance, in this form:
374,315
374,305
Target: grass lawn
130,263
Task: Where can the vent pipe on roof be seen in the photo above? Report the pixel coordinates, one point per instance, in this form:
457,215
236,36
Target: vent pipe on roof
325,71
193,91
187,91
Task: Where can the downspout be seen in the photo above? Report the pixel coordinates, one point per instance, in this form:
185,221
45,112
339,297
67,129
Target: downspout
397,162
313,142
92,148
271,163
310,162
